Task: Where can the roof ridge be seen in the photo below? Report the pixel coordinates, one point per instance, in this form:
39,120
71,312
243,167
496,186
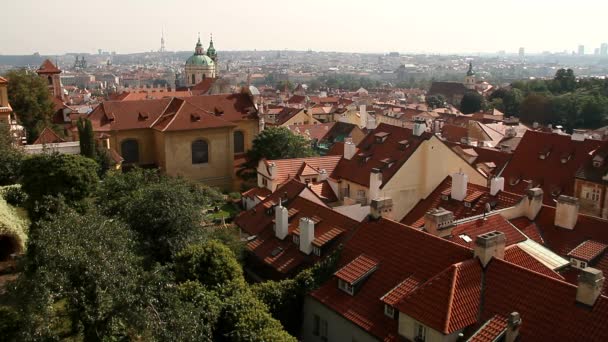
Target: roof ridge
174,115
455,272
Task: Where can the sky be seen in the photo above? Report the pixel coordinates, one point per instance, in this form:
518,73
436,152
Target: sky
379,26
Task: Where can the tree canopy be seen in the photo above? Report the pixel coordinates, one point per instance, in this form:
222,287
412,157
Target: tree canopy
471,102
279,143
10,158
436,101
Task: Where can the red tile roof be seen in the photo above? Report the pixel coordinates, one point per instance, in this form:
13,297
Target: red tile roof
182,115
518,256
481,226
449,301
3,80
547,306
588,250
402,289
357,169
289,168
48,136
453,133
317,131
48,67
337,149
491,330
555,174
324,191
529,228
402,252
415,217
356,270
257,192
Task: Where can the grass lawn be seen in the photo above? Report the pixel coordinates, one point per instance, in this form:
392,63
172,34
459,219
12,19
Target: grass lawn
228,210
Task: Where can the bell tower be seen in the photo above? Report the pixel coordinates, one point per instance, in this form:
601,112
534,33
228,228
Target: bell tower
50,72
470,80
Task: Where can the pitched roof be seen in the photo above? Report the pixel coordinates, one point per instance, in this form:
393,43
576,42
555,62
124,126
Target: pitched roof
514,254
372,154
555,173
588,250
594,169
402,252
356,270
314,131
501,200
491,330
48,67
289,168
481,226
48,136
182,115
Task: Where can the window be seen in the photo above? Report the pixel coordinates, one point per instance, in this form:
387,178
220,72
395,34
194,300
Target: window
346,287
200,152
360,193
264,181
316,325
389,311
239,142
296,239
583,264
193,79
419,332
316,250
130,151
324,329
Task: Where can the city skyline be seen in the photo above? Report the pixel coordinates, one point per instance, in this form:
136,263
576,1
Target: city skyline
129,27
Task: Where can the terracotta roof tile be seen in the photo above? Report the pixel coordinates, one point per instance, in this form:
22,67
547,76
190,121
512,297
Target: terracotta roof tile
48,136
402,289
518,256
48,67
324,191
289,168
357,269
257,192
588,250
481,226
491,330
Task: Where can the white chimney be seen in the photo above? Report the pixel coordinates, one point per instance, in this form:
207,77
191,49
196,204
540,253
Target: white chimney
566,212
419,127
349,148
371,122
534,198
590,284
497,184
578,135
439,222
307,234
381,207
281,221
322,175
363,115
375,181
513,324
490,245
459,185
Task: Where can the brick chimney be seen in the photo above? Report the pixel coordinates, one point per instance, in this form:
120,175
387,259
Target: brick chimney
490,245
280,221
439,222
534,198
590,284
497,184
307,234
566,212
349,148
381,207
459,185
513,324
375,181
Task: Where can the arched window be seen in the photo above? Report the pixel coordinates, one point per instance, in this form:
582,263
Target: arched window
200,152
50,80
193,79
239,142
130,151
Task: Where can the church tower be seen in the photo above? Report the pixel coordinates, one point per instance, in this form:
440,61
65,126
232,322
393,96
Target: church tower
470,80
50,72
211,53
199,66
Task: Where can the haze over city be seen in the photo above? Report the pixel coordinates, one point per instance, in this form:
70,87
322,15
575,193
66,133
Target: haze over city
436,26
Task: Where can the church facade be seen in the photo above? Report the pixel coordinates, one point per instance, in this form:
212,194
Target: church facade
201,65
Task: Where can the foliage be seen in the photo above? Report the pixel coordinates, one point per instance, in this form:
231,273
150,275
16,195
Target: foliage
285,84
73,176
534,108
86,138
87,261
436,101
29,96
13,223
103,159
14,195
210,263
10,323
10,158
230,237
278,143
348,82
471,102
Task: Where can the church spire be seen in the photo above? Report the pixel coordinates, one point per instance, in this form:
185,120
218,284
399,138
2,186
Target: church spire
470,72
211,53
199,46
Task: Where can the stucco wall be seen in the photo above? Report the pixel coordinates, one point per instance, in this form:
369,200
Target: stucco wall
406,329
250,129
338,328
145,139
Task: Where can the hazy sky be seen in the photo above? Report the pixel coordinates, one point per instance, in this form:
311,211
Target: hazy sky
59,26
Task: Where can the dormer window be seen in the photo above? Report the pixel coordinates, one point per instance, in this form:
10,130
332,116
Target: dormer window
346,287
389,311
565,158
403,145
316,251
544,153
296,239
514,180
353,274
381,137
467,204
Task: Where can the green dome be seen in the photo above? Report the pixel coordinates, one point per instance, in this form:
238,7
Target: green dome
200,60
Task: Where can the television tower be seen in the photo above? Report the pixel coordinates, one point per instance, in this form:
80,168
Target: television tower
162,41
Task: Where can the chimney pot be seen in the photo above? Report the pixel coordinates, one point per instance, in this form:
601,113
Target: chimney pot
513,324
497,184
307,234
490,245
459,186
439,222
381,207
349,148
566,212
590,284
281,221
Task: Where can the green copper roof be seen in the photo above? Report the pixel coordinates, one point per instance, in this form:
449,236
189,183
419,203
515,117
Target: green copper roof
201,60
211,49
470,72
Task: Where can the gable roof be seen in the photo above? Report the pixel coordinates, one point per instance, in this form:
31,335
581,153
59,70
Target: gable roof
289,168
47,67
48,136
387,156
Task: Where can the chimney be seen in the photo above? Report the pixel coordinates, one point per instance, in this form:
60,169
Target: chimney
322,175
419,127
534,198
349,148
590,284
566,212
272,169
505,148
497,184
281,221
363,115
381,207
307,234
578,135
375,181
513,324
459,185
510,132
439,222
371,122
490,245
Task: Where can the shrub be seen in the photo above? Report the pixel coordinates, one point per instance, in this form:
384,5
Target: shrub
14,196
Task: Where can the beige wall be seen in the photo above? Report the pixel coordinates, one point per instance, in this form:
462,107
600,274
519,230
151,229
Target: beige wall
145,139
406,329
250,129
301,119
588,205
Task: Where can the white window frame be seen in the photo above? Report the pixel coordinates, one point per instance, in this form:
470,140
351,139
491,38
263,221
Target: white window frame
346,287
316,250
420,331
389,311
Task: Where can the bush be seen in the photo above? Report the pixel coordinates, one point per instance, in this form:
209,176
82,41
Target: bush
14,196
9,324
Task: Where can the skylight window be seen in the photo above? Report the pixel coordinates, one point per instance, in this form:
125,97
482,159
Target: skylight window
465,237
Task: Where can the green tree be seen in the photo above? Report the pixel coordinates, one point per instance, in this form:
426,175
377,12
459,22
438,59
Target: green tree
278,143
79,268
436,101
512,102
471,102
564,81
535,108
73,176
87,138
29,96
10,157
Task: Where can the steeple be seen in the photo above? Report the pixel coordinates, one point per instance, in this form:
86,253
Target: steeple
211,49
199,46
470,72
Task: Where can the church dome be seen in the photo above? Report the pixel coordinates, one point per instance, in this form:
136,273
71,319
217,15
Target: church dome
199,60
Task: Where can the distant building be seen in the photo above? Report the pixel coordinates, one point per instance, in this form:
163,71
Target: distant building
604,49
522,52
201,65
581,50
